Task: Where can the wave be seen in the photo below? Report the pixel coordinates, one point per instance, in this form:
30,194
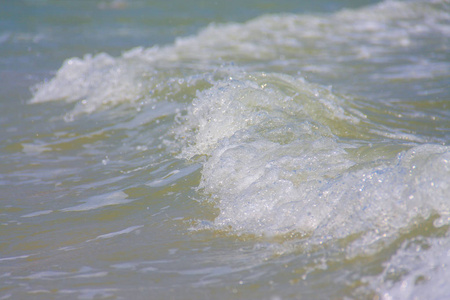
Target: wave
325,126
279,159
283,153
388,43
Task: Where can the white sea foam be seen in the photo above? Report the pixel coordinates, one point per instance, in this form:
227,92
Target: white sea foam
92,82
426,265
275,165
293,43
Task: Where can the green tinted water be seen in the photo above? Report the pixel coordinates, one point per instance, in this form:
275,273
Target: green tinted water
284,156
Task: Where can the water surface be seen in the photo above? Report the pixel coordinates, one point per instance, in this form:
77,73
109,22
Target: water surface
232,150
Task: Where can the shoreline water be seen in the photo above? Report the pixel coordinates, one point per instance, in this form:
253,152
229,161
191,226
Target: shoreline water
272,156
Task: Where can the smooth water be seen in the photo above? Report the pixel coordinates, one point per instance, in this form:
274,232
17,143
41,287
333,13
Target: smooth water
224,150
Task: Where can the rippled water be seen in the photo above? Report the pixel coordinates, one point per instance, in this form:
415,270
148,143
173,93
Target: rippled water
225,151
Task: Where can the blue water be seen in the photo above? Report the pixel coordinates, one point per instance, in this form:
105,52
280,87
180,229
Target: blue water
224,150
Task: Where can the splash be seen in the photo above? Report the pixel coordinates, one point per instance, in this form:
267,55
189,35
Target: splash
276,162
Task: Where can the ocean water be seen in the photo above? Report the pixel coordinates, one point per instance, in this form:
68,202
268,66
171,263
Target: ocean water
224,149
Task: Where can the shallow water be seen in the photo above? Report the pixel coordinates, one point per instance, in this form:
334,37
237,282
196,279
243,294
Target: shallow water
236,150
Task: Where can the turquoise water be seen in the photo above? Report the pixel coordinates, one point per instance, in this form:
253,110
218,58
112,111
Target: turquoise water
224,150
